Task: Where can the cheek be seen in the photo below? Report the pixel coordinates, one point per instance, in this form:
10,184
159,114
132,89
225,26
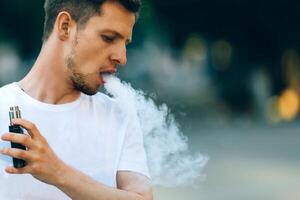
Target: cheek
91,53
91,58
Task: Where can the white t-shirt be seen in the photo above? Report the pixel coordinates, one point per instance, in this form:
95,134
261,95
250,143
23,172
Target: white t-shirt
92,134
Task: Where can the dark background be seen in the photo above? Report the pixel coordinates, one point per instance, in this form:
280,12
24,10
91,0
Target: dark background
230,72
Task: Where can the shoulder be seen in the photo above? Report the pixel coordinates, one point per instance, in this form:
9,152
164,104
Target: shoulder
6,89
6,99
7,93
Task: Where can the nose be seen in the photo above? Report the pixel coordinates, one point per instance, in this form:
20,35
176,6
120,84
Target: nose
119,55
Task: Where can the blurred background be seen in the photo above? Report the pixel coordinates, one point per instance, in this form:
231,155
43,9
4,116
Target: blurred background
228,69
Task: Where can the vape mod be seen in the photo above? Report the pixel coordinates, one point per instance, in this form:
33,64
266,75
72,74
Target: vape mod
14,112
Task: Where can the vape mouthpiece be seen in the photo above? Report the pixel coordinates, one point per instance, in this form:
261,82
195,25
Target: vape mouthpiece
14,112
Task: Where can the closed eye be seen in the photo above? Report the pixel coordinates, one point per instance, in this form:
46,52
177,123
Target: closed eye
108,39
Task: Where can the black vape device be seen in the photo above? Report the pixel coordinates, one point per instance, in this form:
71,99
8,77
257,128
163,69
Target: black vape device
15,112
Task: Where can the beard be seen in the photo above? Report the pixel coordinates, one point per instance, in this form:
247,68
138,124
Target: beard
78,79
79,83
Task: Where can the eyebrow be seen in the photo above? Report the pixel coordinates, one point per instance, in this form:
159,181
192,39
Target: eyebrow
117,34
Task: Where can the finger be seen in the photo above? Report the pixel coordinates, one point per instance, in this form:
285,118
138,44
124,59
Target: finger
12,170
16,153
18,138
29,126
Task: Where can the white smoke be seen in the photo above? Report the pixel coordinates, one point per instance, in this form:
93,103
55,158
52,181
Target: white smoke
169,160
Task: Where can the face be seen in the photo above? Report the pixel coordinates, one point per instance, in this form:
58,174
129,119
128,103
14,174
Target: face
99,47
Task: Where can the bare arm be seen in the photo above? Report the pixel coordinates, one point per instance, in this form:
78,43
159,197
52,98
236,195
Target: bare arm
44,165
130,186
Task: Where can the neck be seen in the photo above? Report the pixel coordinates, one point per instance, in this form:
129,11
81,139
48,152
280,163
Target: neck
48,80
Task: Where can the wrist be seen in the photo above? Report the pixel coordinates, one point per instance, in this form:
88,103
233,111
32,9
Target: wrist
61,174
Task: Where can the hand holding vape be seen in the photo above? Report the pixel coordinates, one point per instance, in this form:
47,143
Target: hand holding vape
15,112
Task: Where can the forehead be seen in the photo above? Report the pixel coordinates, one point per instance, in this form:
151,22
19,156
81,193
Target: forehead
115,17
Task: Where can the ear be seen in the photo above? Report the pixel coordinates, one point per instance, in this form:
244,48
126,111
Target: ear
63,25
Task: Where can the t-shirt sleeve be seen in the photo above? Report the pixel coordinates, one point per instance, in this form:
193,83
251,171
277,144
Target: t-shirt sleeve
133,156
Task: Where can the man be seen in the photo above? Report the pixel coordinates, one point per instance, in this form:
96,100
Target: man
83,40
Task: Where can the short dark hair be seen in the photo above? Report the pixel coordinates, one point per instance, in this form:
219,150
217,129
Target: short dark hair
80,10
